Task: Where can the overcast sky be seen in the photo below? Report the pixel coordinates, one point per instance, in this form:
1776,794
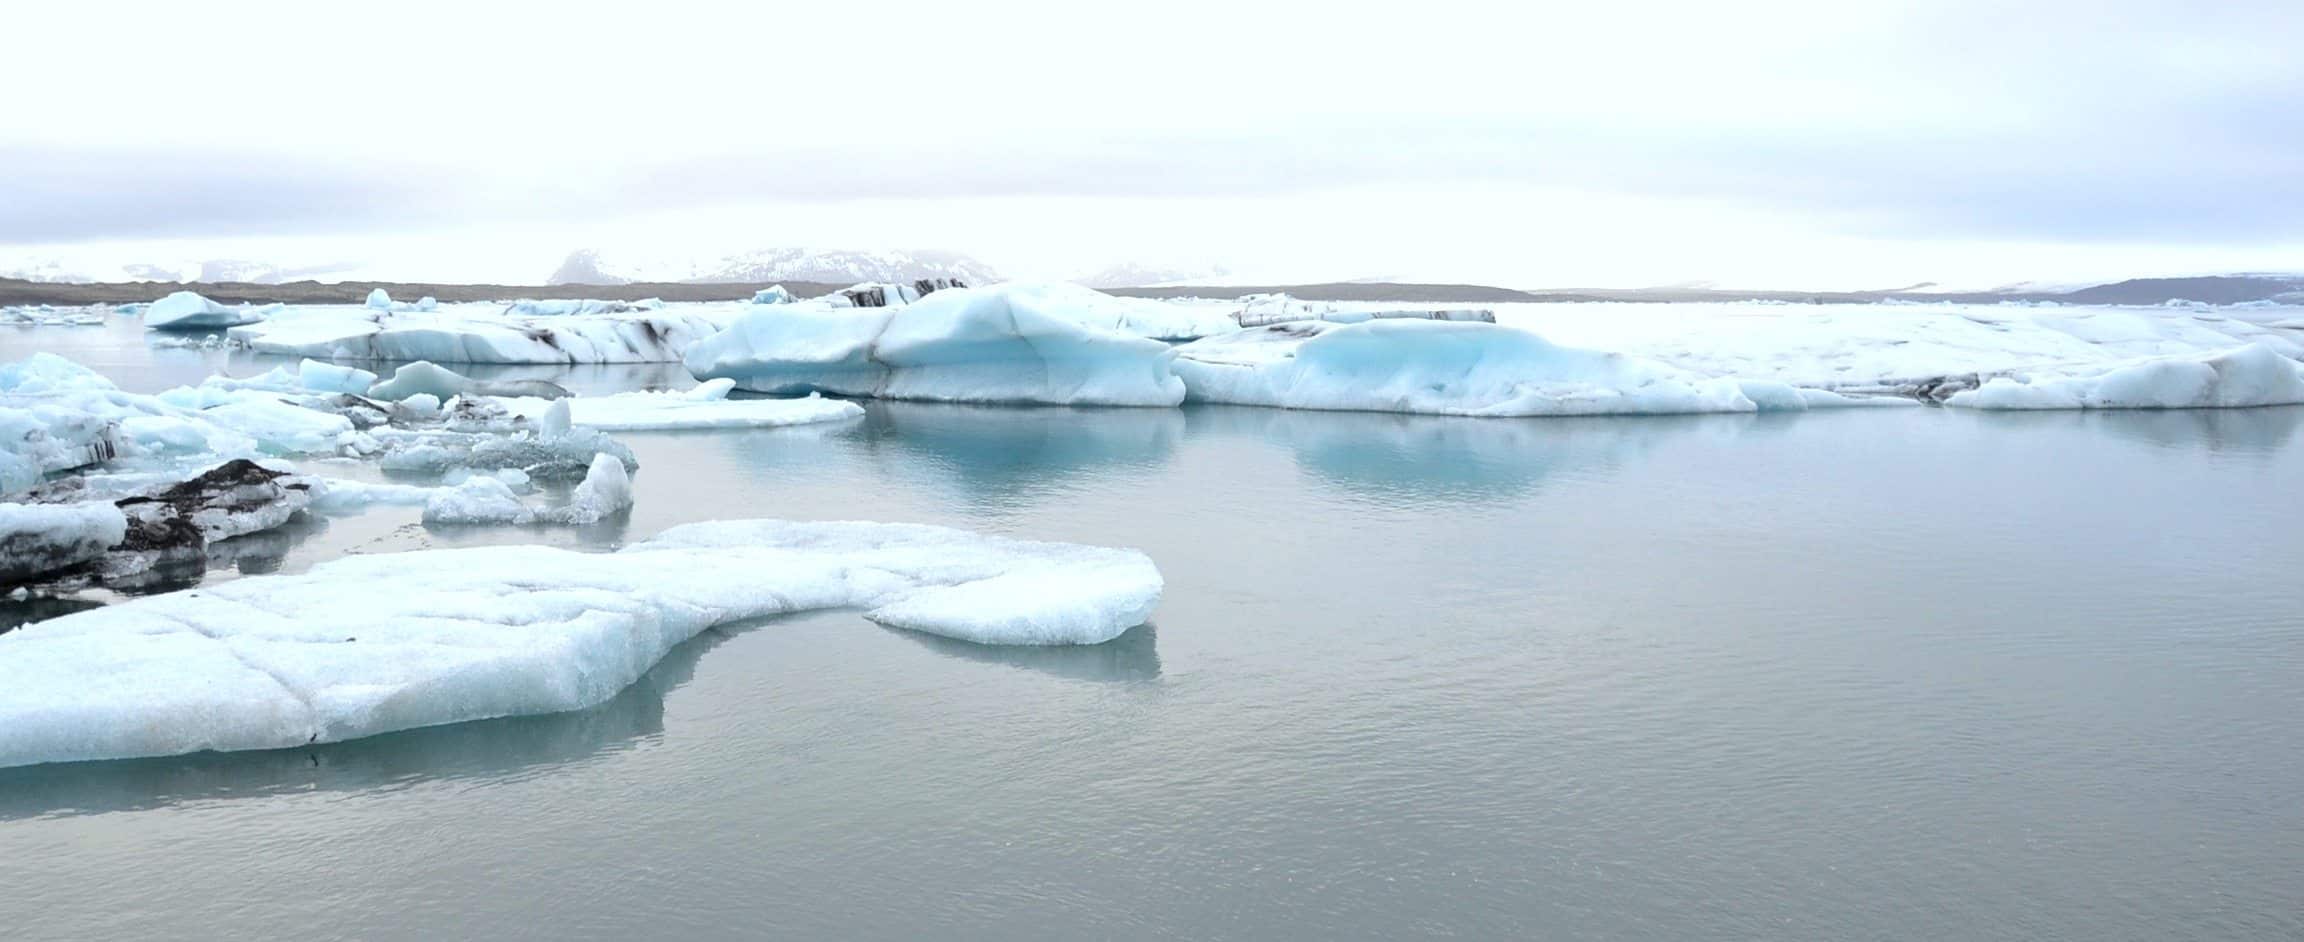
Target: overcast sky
1802,144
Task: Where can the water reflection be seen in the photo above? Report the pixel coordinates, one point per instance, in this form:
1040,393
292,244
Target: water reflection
1453,458
1134,656
1009,458
482,749
2254,431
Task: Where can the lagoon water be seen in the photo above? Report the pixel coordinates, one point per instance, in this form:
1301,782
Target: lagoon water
1882,674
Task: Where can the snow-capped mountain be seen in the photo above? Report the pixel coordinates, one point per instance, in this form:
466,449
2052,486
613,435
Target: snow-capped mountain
834,266
1139,275
61,271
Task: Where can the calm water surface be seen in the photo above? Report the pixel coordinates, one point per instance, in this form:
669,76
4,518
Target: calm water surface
1897,675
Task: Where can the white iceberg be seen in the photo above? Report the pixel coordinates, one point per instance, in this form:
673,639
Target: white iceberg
2246,376
1003,344
186,310
372,644
379,299
1447,368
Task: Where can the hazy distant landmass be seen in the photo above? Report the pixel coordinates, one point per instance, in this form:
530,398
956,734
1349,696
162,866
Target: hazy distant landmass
768,266
2218,289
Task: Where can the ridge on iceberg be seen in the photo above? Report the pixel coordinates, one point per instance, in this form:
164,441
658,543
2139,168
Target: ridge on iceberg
1010,343
372,644
2253,375
1458,368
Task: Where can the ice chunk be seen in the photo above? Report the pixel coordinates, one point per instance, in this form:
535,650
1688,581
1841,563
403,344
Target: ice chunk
605,491
556,420
371,644
560,456
283,429
333,495
478,500
421,377
328,377
186,310
1443,368
2253,375
379,299
36,539
489,499
421,405
1007,343
773,294
235,498
703,407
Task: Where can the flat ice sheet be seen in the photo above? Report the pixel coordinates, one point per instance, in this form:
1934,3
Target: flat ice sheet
372,644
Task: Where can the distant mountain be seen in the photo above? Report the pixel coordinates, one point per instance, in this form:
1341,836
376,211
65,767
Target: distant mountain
1138,275
57,271
834,266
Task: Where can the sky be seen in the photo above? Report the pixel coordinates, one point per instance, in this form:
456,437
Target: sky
1764,143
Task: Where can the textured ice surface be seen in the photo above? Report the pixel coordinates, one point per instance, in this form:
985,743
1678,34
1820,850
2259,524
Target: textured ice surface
186,310
370,644
2247,376
1006,343
1450,368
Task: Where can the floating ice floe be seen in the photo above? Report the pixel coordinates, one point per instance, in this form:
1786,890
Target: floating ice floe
706,406
372,644
2246,376
773,294
186,310
1446,368
1006,343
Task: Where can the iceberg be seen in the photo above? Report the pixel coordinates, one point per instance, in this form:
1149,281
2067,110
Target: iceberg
1004,344
379,300
372,644
1451,368
186,310
2252,375
773,294
485,334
